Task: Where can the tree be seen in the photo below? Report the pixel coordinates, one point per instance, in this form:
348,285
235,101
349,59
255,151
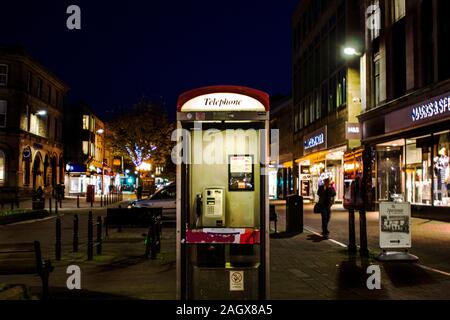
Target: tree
142,133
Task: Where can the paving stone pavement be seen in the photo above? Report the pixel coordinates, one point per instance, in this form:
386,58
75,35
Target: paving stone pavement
303,267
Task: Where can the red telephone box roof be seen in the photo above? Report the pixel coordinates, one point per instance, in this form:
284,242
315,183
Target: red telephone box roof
261,96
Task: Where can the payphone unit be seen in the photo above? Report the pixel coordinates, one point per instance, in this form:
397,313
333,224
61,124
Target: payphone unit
213,207
222,194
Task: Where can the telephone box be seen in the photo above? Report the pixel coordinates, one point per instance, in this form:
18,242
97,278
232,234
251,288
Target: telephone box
222,194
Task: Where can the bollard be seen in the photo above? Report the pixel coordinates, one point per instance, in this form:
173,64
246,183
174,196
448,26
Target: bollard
75,233
90,248
363,251
78,201
351,232
60,203
50,205
99,236
56,207
101,201
58,239
92,202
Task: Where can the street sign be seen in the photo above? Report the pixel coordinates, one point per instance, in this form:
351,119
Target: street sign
395,225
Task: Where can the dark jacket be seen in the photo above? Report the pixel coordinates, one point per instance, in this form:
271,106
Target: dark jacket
326,196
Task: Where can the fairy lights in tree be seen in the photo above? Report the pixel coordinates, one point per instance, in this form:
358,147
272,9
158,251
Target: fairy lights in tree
139,154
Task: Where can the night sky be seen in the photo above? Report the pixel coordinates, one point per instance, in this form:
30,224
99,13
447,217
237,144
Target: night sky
155,48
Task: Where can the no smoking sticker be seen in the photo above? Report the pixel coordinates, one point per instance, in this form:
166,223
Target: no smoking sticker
236,280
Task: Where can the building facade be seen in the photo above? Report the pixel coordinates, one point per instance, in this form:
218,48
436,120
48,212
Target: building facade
89,161
326,91
406,118
31,121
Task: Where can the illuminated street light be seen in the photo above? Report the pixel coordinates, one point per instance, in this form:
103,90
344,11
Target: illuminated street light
41,113
100,131
349,51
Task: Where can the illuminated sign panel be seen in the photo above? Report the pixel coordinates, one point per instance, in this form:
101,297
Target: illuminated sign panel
353,131
426,112
315,141
223,102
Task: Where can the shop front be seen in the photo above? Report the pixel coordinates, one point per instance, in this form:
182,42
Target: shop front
412,156
319,163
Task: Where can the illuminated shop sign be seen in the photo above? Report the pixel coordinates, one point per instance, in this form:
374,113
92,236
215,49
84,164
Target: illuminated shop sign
431,109
353,131
223,102
315,141
426,112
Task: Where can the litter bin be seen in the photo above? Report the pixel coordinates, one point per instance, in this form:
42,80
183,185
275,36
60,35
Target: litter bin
294,214
90,194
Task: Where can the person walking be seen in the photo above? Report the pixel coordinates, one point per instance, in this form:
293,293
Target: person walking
326,195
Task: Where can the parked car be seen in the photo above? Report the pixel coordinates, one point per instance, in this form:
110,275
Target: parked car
164,198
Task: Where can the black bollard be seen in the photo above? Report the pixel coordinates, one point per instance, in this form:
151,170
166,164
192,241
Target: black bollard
75,233
78,201
58,239
101,201
60,203
50,205
99,235
56,206
363,251
351,232
90,248
92,202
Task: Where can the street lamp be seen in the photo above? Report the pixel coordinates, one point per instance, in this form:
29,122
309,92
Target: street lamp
350,51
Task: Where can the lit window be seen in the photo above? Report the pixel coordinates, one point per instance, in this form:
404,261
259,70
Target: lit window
2,168
398,10
3,75
3,108
85,148
85,122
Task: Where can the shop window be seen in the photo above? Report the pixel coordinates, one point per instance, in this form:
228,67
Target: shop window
390,159
441,169
3,109
418,170
2,168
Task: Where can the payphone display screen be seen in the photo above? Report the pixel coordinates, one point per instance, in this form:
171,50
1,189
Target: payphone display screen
241,173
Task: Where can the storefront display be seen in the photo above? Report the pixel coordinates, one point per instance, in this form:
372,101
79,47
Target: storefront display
415,170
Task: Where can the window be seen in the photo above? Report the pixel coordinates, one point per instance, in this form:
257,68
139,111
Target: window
57,99
29,81
85,122
341,89
85,148
92,150
398,9
39,89
374,19
55,128
441,169
3,75
390,170
3,109
418,170
2,168
376,78
49,95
